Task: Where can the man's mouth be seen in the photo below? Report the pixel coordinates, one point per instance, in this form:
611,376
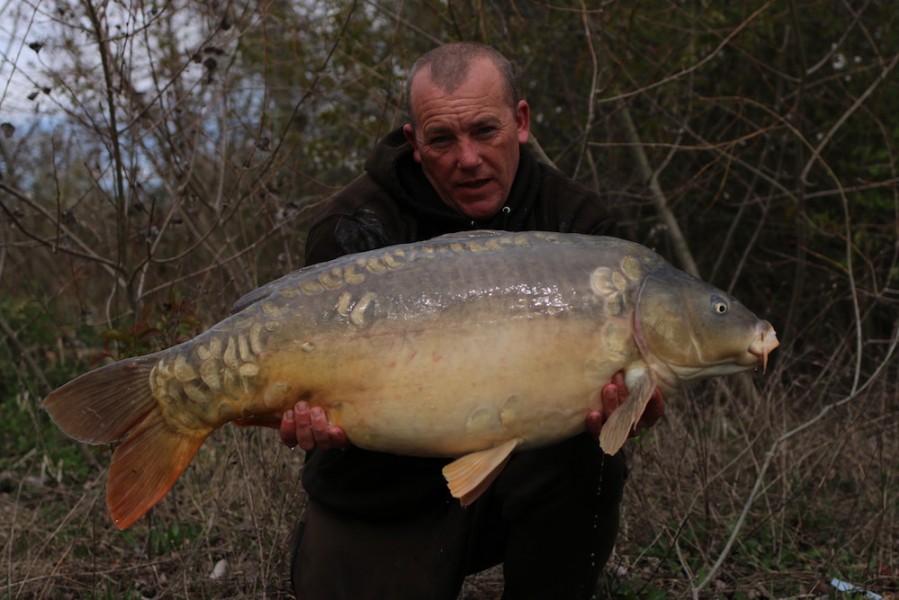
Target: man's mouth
474,184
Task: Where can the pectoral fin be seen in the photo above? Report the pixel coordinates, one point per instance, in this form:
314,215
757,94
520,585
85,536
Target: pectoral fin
616,430
468,477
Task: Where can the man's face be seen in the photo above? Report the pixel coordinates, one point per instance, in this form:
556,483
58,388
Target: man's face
467,140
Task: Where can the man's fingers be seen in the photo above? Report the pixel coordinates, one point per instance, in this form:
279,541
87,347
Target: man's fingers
594,423
303,430
319,425
288,429
337,436
308,428
612,397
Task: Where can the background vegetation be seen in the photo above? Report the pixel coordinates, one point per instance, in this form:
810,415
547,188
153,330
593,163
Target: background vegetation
161,158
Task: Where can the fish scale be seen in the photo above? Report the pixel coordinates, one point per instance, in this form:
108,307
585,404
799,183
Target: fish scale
471,346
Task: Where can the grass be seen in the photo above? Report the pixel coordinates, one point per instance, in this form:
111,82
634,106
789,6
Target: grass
238,502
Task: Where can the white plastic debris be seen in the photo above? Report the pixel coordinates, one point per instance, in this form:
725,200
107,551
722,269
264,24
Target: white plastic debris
845,586
219,570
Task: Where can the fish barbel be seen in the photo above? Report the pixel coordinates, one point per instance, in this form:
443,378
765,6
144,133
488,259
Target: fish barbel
470,346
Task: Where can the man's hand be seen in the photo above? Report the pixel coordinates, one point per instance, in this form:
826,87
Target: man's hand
308,428
613,395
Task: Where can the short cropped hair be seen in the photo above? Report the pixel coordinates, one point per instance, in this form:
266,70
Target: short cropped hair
450,64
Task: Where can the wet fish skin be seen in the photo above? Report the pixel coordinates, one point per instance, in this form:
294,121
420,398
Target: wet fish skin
470,346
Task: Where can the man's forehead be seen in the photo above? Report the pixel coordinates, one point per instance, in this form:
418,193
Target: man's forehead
479,98
442,123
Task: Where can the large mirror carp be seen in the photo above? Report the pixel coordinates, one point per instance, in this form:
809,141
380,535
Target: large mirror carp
470,346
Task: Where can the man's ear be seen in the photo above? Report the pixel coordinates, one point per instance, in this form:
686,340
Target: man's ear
523,121
409,132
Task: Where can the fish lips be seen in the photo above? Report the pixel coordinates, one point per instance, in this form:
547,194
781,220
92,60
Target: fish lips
762,345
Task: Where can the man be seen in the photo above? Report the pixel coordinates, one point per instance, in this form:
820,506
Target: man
385,527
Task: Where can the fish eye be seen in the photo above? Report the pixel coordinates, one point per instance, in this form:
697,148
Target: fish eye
720,305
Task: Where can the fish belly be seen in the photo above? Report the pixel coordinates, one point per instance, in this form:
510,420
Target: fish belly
449,388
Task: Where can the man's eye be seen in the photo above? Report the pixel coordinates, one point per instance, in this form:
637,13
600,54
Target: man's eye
486,131
439,140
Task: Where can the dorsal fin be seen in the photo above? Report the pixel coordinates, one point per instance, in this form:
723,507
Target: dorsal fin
474,234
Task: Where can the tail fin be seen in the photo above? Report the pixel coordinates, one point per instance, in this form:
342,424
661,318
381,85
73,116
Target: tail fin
146,465
115,402
102,405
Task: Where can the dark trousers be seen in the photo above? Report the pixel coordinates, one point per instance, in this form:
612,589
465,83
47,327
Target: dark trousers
551,518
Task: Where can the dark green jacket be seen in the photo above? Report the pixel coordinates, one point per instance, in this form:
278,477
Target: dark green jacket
392,203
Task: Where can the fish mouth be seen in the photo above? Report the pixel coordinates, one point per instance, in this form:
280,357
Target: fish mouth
764,343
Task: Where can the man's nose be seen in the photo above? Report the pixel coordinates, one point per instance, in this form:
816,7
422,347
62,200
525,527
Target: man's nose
469,154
